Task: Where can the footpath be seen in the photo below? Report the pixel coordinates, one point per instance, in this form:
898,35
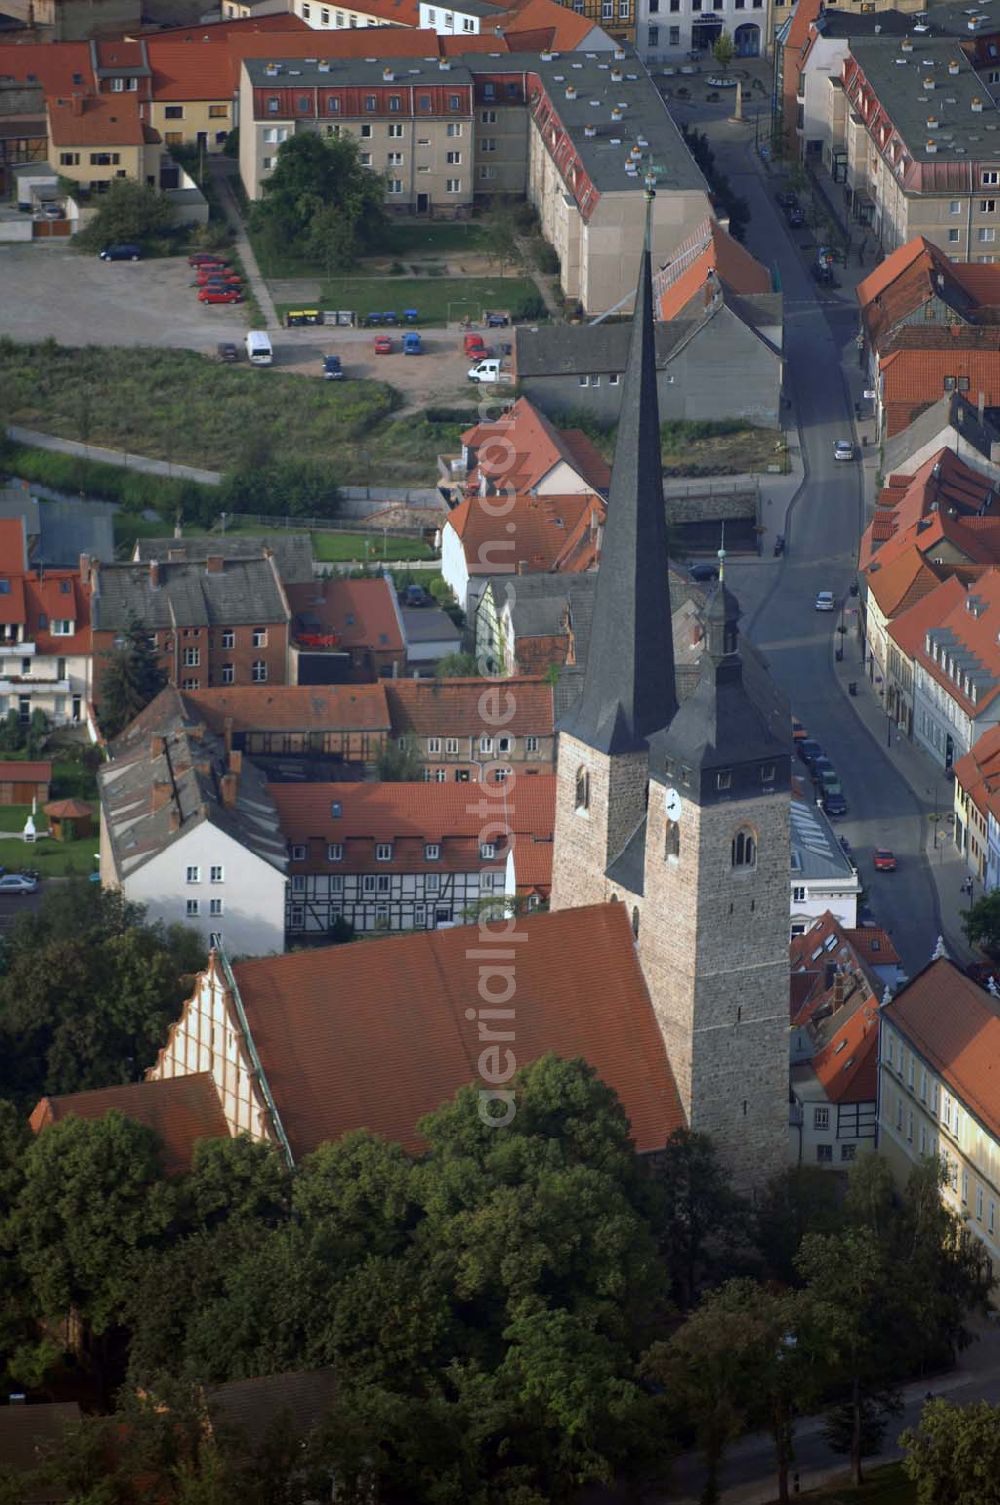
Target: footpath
222,168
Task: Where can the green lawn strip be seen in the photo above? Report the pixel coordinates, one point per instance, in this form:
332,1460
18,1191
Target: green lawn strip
342,548
883,1486
52,858
438,300
419,238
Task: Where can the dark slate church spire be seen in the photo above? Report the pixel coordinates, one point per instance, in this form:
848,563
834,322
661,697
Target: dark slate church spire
629,690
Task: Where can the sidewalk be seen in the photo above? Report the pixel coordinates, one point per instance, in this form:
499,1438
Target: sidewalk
220,169
126,459
932,793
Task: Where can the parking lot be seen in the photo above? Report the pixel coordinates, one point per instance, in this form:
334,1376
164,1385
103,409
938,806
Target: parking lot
50,292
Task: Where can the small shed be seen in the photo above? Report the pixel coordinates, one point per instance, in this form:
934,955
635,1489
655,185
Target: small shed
69,819
20,783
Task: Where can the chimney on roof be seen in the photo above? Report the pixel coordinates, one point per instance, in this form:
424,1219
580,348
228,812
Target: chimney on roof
161,795
842,987
76,104
154,573
230,785
981,406
522,566
214,564
227,735
234,762
157,747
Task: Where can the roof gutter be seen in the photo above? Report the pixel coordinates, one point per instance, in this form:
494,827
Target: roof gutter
277,1125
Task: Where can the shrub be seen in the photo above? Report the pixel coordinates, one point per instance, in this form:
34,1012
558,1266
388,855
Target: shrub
531,307
548,260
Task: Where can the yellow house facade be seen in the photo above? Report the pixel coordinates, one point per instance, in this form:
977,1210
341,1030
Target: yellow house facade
95,139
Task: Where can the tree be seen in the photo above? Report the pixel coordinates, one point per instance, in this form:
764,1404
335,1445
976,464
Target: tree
723,50
797,1201
129,211
457,666
981,924
399,762
953,1457
699,1216
320,202
132,677
876,1413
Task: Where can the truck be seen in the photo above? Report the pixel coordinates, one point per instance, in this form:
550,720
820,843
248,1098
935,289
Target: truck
411,343
259,352
488,370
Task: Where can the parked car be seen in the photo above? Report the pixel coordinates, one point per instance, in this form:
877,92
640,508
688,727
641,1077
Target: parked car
411,343
332,368
496,320
834,803
487,370
704,570
843,450
474,346
219,295
415,595
796,218
207,275
18,883
824,601
227,352
885,861
383,345
205,258
786,199
799,733
123,252
809,750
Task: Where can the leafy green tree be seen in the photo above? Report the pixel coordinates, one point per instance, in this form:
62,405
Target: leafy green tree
87,991
797,1201
38,730
399,762
981,924
953,1457
129,211
723,50
876,1413
320,202
457,666
699,1216
131,678
237,1180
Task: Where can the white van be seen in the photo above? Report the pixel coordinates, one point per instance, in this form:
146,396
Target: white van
259,352
488,370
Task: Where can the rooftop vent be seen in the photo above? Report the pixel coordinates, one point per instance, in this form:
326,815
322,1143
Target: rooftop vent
444,65
619,54
953,68
570,92
323,67
388,75
545,57
976,106
590,131
906,45
932,122
616,112
930,82
616,75
931,147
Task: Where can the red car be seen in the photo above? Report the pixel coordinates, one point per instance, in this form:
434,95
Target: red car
219,295
885,861
216,274
383,345
205,259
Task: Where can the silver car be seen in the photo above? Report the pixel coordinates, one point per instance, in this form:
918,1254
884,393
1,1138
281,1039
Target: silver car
17,883
843,450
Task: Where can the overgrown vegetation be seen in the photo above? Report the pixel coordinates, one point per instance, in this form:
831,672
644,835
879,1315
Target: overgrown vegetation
731,203
320,203
129,212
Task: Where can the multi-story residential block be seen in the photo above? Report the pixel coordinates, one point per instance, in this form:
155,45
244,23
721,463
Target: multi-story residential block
975,789
469,730
824,880
671,31
190,831
956,691
904,636
391,857
45,635
221,622
939,1062
340,729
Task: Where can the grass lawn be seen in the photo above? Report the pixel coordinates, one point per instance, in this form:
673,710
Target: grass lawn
885,1486
438,300
404,238
177,405
343,548
53,859
702,448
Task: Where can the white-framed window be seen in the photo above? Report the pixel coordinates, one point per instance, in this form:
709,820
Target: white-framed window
487,851
259,637
454,159
334,851
454,128
614,379
368,883
394,159
485,744
453,185
910,1067
488,117
965,1185
432,883
383,851
192,908
990,178
395,130
979,1204
434,745
955,206
193,875
501,775
953,237
798,895
189,684
258,671
505,744
986,234
366,132
486,883
432,851
228,638
192,658
419,915
821,1118
451,744
336,883
987,206
215,906
62,627
298,852
296,917
217,873
382,883
584,381
228,674
395,185
531,744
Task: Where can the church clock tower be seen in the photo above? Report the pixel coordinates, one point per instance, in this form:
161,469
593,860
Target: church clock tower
681,811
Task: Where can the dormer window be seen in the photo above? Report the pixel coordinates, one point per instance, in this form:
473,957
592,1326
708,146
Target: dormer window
62,627
383,851
432,851
336,809
487,851
724,779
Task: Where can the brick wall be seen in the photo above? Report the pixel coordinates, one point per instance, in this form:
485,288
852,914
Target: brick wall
586,841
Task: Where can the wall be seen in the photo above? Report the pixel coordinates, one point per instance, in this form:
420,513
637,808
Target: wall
810,901
454,568
197,117
252,893
15,228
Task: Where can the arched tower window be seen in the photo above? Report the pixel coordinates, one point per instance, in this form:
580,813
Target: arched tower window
672,839
582,789
744,850
635,921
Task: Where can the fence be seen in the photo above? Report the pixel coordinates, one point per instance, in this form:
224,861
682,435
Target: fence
321,525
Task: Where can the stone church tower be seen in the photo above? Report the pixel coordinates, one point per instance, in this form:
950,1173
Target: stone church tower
682,811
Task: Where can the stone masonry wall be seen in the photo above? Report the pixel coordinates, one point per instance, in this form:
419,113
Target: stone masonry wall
585,842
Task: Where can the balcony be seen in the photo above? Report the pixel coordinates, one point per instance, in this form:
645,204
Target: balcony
15,648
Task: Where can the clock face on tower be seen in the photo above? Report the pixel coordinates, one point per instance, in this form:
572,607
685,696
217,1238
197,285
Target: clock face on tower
672,803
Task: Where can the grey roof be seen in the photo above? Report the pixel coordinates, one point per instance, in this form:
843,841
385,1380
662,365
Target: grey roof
899,86
17,502
429,624
539,604
187,595
567,349
69,529
165,778
816,852
293,552
952,412
629,868
629,691
890,23
360,72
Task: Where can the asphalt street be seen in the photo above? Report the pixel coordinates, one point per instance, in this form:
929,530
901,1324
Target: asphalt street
823,531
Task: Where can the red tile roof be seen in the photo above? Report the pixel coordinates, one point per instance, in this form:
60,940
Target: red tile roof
901,583
564,29
815,958
105,120
469,707
186,70
276,708
519,450
360,613
942,482
979,633
847,1066
721,255
25,773
52,65
218,30
518,816
978,772
546,533
376,1034
874,945
954,1024
914,274
179,1110
909,629
914,370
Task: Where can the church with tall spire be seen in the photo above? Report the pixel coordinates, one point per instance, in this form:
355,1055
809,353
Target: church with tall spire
680,810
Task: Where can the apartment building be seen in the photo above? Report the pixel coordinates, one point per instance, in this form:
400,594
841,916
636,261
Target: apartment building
939,1062
957,674
217,622
669,30
468,730
45,635
391,857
